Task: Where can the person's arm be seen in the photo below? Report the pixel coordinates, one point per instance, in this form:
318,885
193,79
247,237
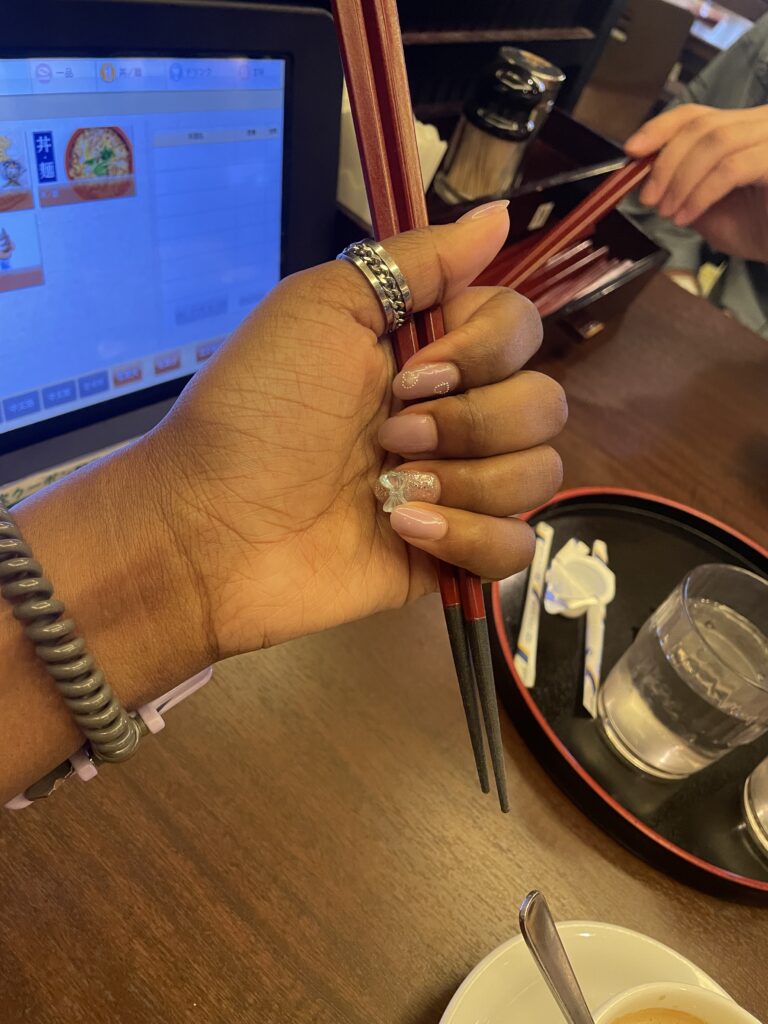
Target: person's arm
710,174
733,82
712,157
120,572
249,515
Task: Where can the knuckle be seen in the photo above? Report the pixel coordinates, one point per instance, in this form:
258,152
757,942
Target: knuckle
698,124
511,333
472,420
418,251
730,167
550,469
330,284
515,554
504,307
489,496
467,480
529,319
487,341
718,137
526,544
551,402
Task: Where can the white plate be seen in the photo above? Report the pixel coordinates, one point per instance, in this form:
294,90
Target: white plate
506,987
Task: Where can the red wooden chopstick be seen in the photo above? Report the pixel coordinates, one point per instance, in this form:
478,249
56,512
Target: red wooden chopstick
374,66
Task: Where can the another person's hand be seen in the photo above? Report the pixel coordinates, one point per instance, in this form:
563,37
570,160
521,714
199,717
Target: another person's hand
272,455
711,173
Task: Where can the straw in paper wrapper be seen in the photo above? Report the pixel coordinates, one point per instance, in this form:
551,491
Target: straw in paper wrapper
528,637
594,641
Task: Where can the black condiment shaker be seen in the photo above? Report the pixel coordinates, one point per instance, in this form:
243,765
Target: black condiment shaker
499,120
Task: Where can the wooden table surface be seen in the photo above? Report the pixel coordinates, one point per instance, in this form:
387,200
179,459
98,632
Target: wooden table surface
306,842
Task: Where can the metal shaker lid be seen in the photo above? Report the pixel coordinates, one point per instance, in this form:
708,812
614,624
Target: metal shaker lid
550,74
504,98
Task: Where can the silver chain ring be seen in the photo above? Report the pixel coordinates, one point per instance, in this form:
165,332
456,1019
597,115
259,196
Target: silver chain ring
385,277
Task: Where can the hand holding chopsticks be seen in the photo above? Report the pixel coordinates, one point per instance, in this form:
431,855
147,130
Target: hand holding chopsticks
371,48
369,35
470,466
372,53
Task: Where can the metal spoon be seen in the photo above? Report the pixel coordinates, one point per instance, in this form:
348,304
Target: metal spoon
540,934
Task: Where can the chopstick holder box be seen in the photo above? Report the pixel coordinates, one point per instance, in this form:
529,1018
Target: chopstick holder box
566,161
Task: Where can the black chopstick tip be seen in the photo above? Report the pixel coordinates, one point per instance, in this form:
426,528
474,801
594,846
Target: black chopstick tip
480,647
454,621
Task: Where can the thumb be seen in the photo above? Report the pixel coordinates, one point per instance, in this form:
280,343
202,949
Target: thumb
436,262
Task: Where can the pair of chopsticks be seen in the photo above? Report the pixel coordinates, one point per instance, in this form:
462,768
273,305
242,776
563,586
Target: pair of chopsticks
374,66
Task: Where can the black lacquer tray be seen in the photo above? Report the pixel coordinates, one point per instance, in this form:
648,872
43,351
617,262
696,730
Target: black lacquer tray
694,828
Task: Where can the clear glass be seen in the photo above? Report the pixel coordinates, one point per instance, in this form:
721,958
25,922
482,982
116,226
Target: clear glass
756,806
694,684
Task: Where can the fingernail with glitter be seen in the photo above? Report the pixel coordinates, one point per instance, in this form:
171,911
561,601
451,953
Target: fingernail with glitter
408,434
418,523
426,381
399,486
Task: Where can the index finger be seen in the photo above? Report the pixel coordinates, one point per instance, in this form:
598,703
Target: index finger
657,132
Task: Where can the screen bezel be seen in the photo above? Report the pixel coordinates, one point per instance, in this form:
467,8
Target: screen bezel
303,37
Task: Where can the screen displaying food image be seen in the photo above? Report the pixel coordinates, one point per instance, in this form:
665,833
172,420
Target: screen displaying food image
101,160
98,153
155,177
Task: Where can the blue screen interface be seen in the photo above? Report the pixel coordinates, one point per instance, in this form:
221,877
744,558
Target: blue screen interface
140,219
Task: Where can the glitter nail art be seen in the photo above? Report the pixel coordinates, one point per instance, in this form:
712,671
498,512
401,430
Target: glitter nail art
397,487
426,381
409,379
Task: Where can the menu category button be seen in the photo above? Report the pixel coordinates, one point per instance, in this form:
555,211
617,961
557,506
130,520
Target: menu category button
21,405
126,375
206,350
59,394
166,363
93,384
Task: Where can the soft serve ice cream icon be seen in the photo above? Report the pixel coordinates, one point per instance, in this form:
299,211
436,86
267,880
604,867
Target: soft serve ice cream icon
7,247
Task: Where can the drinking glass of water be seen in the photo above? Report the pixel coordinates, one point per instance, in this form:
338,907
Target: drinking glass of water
756,806
694,684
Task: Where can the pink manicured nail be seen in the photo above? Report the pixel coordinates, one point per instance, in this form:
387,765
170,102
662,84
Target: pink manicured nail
426,381
408,434
418,523
486,210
